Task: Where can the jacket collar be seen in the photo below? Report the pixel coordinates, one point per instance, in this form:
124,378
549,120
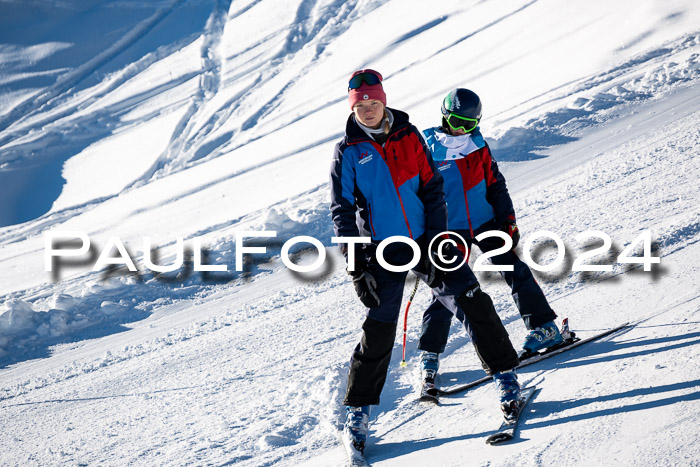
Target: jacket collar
447,147
354,134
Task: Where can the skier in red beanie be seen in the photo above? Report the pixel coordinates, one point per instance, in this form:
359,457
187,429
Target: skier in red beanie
384,184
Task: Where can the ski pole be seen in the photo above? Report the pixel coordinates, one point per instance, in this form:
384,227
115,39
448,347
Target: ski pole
405,321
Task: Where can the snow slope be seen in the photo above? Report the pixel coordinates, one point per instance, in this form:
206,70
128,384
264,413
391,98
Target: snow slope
198,119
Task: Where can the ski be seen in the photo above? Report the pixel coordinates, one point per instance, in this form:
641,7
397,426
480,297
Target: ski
356,457
506,432
567,345
429,393
526,360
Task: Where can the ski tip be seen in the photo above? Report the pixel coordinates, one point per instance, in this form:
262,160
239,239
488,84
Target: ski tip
403,364
498,438
429,400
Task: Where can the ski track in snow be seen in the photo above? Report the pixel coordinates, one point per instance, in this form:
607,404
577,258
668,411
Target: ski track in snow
69,80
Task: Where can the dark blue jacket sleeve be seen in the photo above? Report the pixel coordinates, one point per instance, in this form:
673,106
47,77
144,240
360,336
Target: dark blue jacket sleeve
343,208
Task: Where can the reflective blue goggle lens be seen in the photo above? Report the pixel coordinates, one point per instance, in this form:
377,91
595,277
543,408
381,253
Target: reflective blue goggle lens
370,78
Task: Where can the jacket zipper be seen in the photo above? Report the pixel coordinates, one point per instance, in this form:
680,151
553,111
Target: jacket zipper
469,219
403,210
371,224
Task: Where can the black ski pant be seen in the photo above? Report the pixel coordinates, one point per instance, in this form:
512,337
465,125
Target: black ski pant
460,293
527,295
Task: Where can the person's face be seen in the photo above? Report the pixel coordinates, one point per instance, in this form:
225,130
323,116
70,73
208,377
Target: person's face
370,113
458,132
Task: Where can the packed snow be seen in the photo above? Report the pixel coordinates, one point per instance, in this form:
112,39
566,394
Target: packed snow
189,122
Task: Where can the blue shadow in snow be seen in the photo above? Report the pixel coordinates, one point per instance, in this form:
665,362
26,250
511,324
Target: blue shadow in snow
391,450
33,180
560,406
113,396
42,347
29,191
419,30
605,347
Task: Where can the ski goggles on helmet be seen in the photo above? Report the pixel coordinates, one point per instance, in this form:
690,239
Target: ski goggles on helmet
372,78
457,122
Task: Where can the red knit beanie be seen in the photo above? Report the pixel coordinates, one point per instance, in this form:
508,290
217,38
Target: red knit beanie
365,91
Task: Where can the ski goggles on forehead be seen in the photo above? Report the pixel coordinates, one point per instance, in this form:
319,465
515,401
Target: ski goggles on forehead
457,122
367,77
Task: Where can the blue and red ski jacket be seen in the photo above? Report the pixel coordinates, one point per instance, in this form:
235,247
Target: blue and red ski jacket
379,191
475,190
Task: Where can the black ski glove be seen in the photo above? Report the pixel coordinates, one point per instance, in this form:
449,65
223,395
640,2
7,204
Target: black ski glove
437,268
366,288
364,282
434,275
511,229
